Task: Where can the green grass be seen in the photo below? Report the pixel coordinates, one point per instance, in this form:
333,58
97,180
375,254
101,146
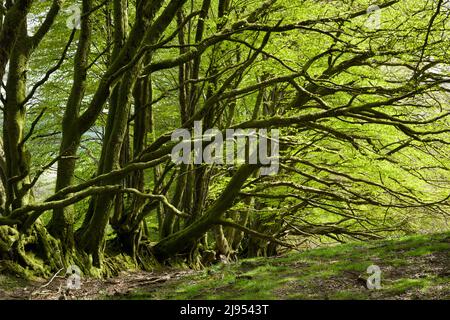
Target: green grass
416,267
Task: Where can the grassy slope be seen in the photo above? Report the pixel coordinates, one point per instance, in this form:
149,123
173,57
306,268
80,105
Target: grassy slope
412,268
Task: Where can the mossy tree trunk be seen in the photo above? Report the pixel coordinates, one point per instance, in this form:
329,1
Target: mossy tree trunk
16,156
145,31
184,238
61,224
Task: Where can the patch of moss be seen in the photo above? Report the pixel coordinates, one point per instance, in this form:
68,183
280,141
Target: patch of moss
10,283
403,285
428,249
349,295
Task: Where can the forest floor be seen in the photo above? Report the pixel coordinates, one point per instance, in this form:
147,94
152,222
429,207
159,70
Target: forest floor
415,267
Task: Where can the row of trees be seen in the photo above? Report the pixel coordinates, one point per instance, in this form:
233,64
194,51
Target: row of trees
362,109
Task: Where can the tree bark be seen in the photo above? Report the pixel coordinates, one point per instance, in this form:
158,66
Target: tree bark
182,239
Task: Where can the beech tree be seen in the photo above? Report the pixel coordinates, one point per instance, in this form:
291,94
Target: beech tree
90,99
